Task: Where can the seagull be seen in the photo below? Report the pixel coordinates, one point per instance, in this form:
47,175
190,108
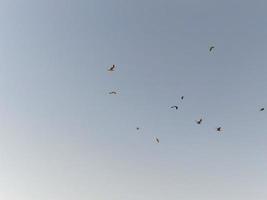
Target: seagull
176,107
219,129
182,97
111,69
262,109
113,92
211,48
157,140
199,121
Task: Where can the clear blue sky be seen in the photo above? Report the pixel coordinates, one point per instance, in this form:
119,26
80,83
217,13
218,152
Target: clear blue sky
62,137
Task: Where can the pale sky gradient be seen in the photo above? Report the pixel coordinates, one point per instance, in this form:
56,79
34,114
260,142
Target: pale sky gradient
63,138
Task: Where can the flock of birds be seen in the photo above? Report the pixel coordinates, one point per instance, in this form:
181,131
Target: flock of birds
218,129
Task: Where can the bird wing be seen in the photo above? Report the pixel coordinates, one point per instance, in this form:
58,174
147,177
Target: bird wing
112,68
211,48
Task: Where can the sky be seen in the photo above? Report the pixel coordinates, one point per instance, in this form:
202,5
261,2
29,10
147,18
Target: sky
62,137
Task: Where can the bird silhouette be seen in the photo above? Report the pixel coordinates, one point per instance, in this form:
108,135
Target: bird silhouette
137,128
199,121
182,97
211,48
111,69
176,107
262,109
113,92
219,129
157,140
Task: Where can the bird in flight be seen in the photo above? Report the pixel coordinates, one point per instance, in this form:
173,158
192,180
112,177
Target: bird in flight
199,121
219,129
157,140
262,109
176,107
112,68
182,97
211,48
113,92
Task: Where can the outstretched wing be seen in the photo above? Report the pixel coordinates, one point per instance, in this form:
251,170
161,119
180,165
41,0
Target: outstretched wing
199,121
211,48
112,68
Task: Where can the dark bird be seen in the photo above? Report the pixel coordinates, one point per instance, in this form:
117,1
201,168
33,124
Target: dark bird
137,128
219,129
113,92
157,140
176,107
262,109
182,97
211,48
199,121
111,69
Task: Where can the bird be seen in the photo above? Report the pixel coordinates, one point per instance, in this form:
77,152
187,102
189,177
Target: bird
219,129
137,128
176,107
111,69
211,48
182,97
262,109
199,121
157,140
113,92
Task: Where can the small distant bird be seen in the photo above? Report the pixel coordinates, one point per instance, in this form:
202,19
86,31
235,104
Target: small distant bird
113,92
157,140
137,128
219,129
176,107
111,69
211,48
182,97
199,121
262,109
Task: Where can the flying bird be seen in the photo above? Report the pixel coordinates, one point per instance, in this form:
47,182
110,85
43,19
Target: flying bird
182,97
262,109
176,107
211,48
157,140
199,121
111,69
219,129
113,92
